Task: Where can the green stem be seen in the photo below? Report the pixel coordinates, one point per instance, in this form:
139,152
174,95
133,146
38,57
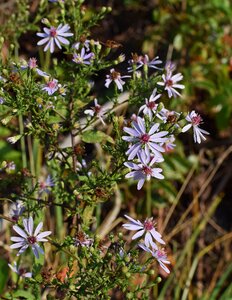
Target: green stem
22,141
148,199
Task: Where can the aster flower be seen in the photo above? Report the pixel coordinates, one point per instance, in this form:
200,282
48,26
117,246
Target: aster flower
143,170
28,238
195,120
170,82
83,57
83,240
16,210
169,144
85,43
159,255
53,35
32,65
96,111
143,139
51,86
146,228
144,61
117,78
44,186
20,271
150,107
2,100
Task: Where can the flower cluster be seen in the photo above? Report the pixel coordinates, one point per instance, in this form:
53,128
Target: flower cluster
151,236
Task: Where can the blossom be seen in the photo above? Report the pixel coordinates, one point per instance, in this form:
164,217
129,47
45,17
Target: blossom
195,120
169,144
150,107
44,186
28,238
159,255
147,228
32,65
143,170
143,139
170,83
83,240
51,86
2,100
117,78
20,271
140,61
85,43
53,35
16,210
96,111
83,57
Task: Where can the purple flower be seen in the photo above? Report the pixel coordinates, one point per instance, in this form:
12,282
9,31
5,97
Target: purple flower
2,100
17,210
96,111
44,186
159,255
20,271
143,139
32,65
29,238
83,58
117,78
144,61
51,86
52,36
147,228
151,106
143,170
83,240
170,84
168,145
195,120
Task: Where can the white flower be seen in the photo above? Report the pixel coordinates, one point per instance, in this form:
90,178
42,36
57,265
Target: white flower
117,78
170,83
29,238
150,107
159,254
195,120
147,228
20,271
53,36
96,111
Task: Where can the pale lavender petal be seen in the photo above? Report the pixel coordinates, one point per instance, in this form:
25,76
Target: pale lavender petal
20,231
138,234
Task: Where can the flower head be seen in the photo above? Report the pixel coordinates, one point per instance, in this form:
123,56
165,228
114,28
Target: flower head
83,57
150,107
143,170
28,238
140,61
96,111
146,228
195,120
16,210
83,240
141,139
20,271
51,86
117,78
159,254
44,186
54,36
170,83
32,65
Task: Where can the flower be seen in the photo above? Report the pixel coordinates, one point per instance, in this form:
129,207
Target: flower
44,186
160,256
140,61
14,139
147,228
2,100
29,238
117,78
144,171
83,240
150,107
168,145
32,65
170,83
51,86
195,120
17,210
143,139
83,58
96,111
20,271
54,36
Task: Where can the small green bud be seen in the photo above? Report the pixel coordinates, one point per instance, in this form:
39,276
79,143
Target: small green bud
127,258
125,270
129,295
151,272
120,235
128,275
45,22
158,279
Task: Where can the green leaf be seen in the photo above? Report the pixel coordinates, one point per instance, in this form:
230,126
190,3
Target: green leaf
24,294
4,269
92,136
